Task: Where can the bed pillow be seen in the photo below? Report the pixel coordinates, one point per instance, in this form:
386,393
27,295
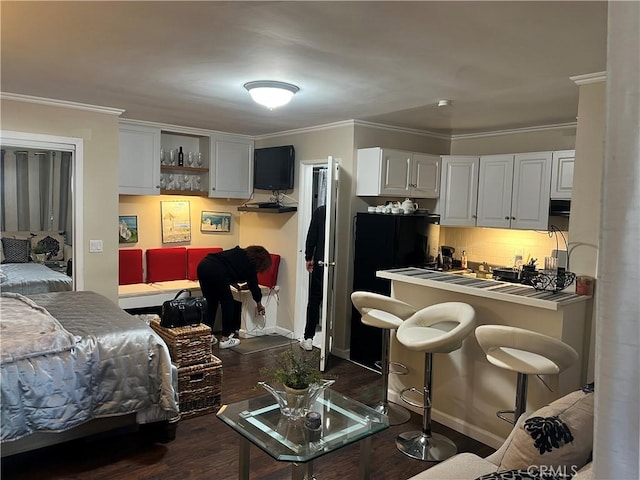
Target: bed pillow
51,242
559,435
16,250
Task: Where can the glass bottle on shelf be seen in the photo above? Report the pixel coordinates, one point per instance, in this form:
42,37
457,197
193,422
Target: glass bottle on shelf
180,158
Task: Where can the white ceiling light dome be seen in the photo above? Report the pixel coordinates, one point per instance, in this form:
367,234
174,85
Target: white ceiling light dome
270,93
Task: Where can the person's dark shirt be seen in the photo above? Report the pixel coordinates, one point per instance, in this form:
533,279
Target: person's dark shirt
314,246
239,269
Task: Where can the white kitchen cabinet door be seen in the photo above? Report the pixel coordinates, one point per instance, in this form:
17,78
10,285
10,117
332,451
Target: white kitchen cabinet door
231,167
396,172
562,174
459,190
531,188
425,176
495,186
139,162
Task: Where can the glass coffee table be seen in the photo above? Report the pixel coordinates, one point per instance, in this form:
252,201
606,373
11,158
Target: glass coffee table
344,421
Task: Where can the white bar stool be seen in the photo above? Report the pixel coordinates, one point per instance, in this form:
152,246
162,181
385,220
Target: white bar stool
386,313
439,328
526,353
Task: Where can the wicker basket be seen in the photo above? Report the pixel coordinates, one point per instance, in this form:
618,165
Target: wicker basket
200,388
187,345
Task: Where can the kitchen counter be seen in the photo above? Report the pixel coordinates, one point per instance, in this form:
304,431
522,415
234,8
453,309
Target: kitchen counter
486,288
468,390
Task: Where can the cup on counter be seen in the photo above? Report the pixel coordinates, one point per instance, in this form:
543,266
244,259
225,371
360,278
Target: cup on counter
396,210
380,209
371,209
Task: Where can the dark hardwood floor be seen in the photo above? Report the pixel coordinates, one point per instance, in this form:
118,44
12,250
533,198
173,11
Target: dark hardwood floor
205,448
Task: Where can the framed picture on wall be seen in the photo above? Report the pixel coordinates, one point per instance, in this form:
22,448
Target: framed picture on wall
176,221
128,229
217,222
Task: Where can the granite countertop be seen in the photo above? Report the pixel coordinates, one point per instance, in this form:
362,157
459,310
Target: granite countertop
486,288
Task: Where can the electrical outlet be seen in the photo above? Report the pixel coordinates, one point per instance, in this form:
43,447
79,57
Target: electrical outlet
95,246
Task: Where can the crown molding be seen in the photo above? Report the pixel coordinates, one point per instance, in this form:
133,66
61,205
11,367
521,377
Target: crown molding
540,128
352,123
60,103
169,128
589,78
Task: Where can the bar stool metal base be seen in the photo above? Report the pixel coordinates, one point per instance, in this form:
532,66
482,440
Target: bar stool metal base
417,444
397,413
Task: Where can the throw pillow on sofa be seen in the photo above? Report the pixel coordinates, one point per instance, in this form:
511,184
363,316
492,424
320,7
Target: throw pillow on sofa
52,244
528,474
557,437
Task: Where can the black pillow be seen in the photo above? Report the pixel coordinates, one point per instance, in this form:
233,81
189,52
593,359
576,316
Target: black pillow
16,250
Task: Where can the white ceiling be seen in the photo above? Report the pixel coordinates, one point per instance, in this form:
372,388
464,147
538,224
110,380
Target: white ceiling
503,64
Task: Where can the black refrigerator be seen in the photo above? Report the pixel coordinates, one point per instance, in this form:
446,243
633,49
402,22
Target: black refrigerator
383,241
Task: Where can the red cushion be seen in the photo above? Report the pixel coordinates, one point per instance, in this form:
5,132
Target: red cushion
270,277
194,257
130,266
165,264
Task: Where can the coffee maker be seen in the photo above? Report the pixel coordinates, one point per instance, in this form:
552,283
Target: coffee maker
447,257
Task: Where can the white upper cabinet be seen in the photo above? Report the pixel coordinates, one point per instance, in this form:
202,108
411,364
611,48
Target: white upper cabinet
531,185
562,174
139,164
231,168
495,186
396,173
513,191
459,190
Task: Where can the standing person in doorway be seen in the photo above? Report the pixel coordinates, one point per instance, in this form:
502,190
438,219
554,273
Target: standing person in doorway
313,254
218,271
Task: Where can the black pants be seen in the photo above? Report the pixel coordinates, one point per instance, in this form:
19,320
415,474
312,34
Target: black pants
215,286
314,301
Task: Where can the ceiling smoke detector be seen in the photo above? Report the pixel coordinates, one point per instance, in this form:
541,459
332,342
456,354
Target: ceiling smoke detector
444,103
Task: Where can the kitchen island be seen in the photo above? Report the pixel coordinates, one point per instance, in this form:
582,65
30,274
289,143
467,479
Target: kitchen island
468,390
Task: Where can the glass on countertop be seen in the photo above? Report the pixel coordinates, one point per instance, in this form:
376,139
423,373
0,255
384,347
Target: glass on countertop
344,421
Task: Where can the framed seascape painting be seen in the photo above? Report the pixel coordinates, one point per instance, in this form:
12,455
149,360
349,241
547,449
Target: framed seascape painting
128,229
176,221
215,222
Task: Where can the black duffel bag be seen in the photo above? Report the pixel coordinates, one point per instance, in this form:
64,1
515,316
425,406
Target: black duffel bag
181,312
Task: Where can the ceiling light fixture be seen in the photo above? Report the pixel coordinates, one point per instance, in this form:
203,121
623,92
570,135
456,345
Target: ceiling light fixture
444,103
270,93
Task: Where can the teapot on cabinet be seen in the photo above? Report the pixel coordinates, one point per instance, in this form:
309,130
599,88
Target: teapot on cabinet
409,206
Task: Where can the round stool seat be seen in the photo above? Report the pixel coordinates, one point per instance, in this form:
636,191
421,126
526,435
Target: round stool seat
524,351
365,302
380,319
439,328
385,313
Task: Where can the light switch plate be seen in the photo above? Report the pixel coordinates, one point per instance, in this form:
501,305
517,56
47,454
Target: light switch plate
95,246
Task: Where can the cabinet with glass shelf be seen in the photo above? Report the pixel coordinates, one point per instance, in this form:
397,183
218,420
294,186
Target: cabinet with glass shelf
191,178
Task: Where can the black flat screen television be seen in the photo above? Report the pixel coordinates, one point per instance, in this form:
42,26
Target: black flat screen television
273,168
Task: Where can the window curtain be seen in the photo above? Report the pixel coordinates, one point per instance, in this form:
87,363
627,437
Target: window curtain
617,419
36,191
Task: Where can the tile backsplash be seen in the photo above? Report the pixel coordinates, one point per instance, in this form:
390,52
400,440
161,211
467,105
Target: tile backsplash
498,247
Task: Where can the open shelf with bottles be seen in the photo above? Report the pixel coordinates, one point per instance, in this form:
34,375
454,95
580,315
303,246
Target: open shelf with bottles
190,178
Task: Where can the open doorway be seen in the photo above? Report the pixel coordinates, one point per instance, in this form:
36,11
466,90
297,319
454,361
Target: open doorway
45,149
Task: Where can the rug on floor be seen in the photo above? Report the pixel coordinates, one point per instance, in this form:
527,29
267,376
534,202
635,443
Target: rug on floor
261,343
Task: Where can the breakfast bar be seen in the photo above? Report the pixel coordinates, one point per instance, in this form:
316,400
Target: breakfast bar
468,390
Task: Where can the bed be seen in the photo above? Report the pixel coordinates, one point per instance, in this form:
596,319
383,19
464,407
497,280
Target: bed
29,278
73,364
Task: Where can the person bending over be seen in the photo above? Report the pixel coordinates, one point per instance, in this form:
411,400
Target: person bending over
218,271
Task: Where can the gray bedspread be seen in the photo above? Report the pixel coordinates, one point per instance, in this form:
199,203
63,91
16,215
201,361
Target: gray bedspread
116,365
30,278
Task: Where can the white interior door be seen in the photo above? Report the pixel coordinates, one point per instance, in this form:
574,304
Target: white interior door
328,304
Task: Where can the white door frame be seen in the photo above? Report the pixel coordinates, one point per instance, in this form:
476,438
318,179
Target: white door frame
64,144
305,191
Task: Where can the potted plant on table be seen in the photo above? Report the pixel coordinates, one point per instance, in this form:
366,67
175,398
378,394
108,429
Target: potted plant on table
296,381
